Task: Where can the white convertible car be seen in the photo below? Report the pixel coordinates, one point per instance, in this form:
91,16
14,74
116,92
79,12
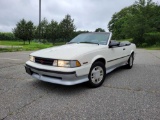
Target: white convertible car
86,58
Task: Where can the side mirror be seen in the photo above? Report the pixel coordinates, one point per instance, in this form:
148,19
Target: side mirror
113,44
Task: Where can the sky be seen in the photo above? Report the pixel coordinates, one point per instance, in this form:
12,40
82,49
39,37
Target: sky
87,14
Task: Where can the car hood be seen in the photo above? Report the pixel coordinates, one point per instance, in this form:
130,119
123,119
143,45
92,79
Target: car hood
67,52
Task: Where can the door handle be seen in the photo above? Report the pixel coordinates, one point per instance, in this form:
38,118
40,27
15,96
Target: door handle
124,49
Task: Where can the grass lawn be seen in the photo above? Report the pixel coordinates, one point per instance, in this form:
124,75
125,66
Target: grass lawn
27,47
153,48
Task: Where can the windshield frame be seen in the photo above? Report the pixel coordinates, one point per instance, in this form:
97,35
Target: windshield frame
105,42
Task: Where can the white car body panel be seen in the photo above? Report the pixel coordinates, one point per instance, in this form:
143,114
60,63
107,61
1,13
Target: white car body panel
84,53
67,52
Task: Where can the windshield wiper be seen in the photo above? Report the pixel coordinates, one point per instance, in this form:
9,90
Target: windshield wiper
89,43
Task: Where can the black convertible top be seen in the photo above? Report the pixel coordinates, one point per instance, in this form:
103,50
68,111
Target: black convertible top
121,44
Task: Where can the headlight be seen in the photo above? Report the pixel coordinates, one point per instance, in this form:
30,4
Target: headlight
66,63
31,58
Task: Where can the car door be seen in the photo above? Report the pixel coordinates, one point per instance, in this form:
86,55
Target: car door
114,56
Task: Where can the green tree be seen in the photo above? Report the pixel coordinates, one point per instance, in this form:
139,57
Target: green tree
136,20
67,27
20,29
52,33
99,30
24,30
43,30
120,22
30,28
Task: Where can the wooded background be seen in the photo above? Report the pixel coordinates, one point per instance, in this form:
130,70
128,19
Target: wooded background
139,22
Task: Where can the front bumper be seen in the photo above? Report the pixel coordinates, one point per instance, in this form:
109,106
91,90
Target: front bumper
57,77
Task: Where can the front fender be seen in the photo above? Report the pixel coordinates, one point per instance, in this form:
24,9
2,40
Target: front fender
96,57
132,51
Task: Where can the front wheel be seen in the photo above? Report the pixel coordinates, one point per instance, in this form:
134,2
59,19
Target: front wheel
130,61
97,74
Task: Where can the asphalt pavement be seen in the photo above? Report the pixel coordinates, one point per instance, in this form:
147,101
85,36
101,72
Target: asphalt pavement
125,95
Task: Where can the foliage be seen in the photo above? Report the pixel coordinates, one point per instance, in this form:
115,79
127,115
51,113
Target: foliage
7,36
30,31
119,23
42,28
144,45
130,40
27,47
99,30
136,20
52,31
67,27
24,30
152,39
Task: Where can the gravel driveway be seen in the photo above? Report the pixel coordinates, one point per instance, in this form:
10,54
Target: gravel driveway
125,95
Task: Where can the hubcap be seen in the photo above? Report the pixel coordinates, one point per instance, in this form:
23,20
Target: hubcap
97,74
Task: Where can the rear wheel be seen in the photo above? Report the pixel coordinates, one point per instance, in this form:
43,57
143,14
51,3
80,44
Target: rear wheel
130,61
97,74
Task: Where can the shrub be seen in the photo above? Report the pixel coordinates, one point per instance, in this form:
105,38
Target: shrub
7,36
144,45
152,38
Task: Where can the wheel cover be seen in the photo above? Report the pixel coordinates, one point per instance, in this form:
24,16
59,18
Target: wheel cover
97,74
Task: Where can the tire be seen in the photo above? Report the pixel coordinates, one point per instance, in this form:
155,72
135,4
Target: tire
96,75
130,61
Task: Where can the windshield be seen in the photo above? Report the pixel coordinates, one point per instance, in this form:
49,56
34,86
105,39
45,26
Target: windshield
91,38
